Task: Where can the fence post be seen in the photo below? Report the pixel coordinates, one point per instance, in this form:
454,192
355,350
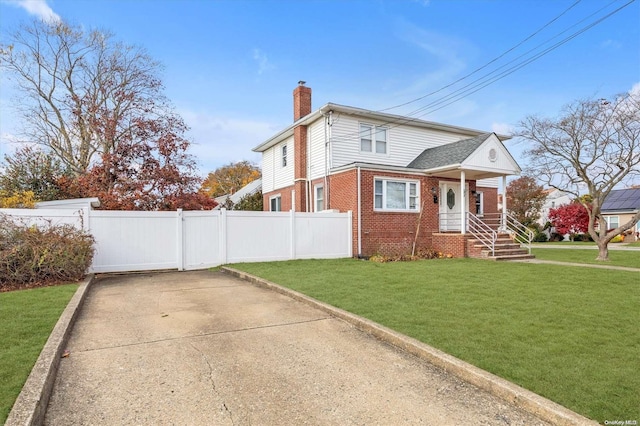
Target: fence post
180,240
350,233
292,233
222,236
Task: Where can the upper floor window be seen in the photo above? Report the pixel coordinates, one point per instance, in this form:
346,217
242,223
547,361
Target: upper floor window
373,139
284,156
396,195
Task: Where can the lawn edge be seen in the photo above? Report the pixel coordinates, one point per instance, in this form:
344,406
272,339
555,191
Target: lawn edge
510,392
31,404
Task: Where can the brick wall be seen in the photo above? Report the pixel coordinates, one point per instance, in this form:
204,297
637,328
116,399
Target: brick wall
450,243
285,193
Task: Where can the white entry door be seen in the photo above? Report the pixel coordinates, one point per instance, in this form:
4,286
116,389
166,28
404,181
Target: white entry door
450,199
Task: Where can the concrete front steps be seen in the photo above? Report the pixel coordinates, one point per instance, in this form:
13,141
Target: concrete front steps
505,249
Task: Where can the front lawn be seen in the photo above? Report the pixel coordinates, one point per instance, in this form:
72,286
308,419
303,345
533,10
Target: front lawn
567,333
27,318
628,258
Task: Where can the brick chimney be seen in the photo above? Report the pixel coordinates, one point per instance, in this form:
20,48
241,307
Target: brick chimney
301,108
301,101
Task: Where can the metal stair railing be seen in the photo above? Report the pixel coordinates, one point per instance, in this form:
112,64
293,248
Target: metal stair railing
521,234
482,232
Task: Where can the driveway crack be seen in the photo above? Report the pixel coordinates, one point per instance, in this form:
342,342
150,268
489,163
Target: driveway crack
212,380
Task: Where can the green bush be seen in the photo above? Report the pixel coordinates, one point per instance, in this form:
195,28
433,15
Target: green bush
540,237
31,255
617,239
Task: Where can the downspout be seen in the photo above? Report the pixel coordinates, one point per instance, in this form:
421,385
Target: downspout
308,180
359,217
327,159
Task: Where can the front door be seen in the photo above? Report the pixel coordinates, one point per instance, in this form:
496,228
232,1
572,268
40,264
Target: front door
450,199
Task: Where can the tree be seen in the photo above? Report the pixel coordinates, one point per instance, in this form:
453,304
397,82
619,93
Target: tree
149,170
251,202
593,146
525,199
81,92
98,105
570,219
230,178
30,169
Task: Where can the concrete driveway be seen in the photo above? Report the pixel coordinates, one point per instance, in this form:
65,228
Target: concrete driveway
205,348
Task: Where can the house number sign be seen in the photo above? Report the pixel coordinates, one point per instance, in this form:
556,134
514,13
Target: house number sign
451,199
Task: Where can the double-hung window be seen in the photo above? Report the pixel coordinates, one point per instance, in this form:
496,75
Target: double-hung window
319,189
612,221
284,156
373,138
396,195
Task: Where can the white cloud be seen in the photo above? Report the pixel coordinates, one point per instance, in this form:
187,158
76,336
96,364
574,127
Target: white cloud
38,8
221,140
635,89
502,128
263,62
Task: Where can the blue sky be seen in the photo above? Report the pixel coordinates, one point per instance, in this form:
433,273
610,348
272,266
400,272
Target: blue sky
230,66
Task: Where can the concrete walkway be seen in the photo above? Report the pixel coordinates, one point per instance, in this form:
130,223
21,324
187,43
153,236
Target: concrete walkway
205,348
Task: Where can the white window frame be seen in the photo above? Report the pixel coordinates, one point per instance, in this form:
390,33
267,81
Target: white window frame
373,131
283,152
408,196
608,220
278,199
479,196
318,201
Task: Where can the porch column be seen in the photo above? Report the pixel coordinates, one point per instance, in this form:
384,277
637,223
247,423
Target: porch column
463,204
503,225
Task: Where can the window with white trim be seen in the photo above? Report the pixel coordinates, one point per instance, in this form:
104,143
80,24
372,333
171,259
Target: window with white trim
284,156
275,203
396,195
479,196
612,222
319,198
373,139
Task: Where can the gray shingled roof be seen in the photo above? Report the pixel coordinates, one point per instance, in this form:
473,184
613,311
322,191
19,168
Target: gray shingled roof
449,154
622,200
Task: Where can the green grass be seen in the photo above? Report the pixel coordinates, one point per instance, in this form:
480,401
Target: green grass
27,318
628,258
634,244
565,243
570,334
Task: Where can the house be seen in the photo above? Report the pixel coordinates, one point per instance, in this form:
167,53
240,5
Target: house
555,198
620,206
233,199
405,180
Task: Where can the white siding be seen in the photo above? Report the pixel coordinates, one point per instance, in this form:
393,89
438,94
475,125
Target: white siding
483,160
274,176
404,142
317,149
488,183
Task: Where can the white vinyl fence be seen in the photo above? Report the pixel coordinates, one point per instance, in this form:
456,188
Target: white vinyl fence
184,240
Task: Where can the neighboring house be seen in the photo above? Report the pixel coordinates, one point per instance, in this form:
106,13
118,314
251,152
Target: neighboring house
72,203
555,198
620,206
232,199
392,172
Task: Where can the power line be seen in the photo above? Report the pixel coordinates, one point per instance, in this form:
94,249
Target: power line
488,63
488,79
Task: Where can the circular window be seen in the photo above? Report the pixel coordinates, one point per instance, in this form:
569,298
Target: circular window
493,154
